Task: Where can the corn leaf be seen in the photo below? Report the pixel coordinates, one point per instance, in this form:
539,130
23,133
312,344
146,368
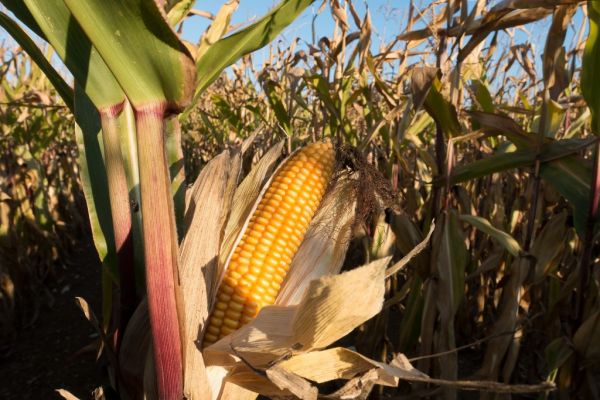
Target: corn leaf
569,175
230,49
524,157
66,37
590,72
507,241
179,11
63,89
146,57
441,110
89,141
218,28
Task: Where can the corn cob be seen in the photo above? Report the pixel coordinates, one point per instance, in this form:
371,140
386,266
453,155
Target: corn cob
263,256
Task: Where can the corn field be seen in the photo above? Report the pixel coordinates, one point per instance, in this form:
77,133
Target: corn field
337,217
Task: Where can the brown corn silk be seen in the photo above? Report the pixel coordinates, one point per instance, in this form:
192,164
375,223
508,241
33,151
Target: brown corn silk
261,259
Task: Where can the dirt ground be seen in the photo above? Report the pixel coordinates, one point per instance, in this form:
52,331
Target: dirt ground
51,354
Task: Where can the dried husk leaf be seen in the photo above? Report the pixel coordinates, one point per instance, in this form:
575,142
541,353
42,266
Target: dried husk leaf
328,311
231,391
209,205
65,394
290,377
357,388
324,247
254,381
342,363
291,382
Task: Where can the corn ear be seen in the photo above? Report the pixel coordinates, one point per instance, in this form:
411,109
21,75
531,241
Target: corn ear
274,233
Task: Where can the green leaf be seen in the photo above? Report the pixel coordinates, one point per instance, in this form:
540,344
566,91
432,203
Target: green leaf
507,241
449,261
449,255
230,49
557,353
555,118
63,89
146,57
179,11
176,171
95,190
590,72
70,43
482,95
570,175
24,15
276,104
550,155
442,111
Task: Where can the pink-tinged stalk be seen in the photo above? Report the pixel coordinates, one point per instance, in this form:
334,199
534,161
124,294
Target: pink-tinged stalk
160,250
121,213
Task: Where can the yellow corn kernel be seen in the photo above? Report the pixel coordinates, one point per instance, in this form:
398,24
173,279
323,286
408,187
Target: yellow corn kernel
265,251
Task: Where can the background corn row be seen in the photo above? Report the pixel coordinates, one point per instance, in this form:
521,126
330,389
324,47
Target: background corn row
42,210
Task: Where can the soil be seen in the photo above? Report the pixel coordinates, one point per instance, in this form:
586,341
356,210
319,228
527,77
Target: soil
56,351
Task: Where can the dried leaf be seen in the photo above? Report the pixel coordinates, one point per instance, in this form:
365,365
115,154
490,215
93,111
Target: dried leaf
297,386
199,253
421,80
65,394
328,311
218,28
586,340
324,247
411,254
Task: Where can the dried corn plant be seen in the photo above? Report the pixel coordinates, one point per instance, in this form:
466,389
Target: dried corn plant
42,210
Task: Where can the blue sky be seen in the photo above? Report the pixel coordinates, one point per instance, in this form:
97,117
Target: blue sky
388,20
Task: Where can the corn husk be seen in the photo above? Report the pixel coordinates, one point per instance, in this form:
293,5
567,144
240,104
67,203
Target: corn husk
280,353
328,311
212,194
325,244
